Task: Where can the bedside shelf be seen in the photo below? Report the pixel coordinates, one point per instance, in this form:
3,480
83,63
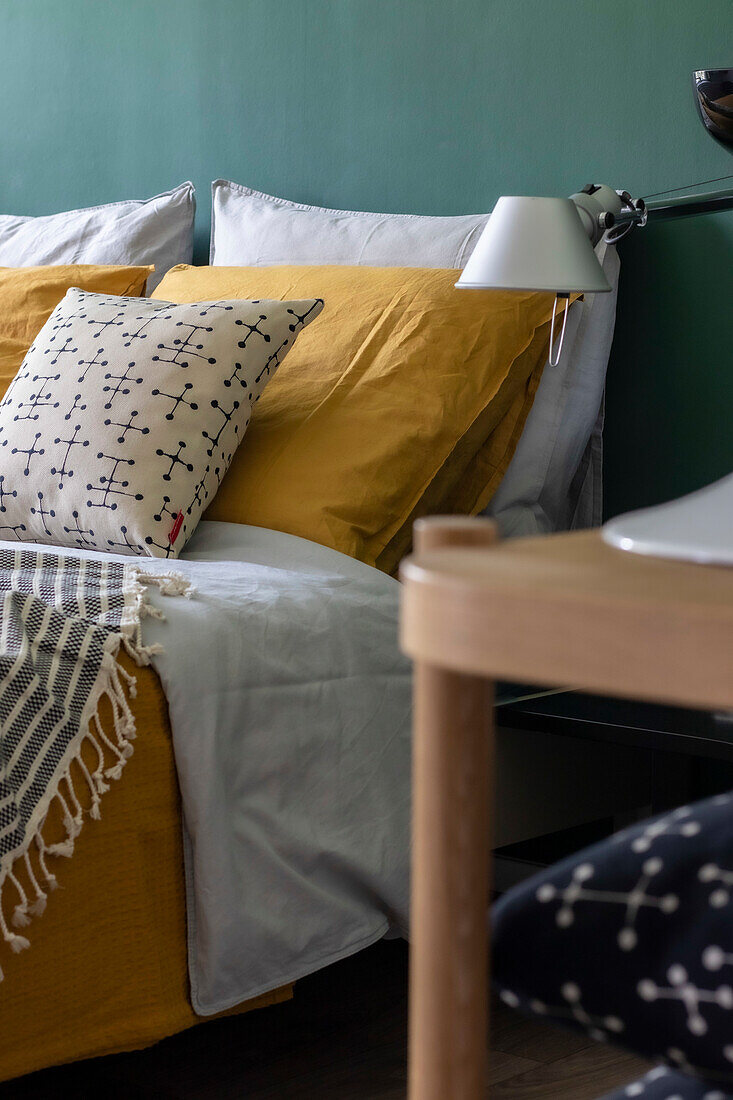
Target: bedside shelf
639,724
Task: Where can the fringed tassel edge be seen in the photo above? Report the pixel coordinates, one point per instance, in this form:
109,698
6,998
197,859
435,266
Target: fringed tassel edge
116,685
137,608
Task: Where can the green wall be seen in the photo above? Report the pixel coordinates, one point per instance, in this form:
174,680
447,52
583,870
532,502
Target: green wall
436,106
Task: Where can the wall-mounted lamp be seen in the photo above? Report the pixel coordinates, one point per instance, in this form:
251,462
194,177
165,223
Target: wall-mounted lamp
547,244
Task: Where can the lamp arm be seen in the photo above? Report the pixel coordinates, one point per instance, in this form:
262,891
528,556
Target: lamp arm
614,213
602,209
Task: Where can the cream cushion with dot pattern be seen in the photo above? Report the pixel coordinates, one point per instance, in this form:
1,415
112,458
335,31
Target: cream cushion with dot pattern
126,413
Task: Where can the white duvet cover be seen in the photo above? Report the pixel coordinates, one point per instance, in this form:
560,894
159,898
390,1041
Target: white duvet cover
290,709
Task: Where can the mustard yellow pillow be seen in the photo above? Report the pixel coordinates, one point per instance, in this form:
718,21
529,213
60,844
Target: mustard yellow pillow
381,408
29,295
470,477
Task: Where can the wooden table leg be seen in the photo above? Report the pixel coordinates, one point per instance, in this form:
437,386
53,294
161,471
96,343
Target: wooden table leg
452,754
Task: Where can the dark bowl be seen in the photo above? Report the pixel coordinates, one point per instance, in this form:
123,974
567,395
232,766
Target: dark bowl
714,98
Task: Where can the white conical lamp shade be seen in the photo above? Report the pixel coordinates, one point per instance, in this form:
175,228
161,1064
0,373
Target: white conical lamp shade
697,527
534,244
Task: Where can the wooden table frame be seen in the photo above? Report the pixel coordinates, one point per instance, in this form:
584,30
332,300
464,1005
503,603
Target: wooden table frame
560,610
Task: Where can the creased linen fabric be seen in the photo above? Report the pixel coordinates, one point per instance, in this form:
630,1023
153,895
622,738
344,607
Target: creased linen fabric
126,413
62,623
253,229
156,231
378,415
554,480
290,706
29,295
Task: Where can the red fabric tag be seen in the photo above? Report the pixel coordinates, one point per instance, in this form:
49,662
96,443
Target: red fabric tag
176,528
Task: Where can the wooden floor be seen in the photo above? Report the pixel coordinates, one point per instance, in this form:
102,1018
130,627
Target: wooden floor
343,1036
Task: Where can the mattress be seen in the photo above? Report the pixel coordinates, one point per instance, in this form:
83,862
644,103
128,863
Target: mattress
106,971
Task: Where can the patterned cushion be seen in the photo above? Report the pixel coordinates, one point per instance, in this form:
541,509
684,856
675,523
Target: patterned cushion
632,940
664,1084
125,415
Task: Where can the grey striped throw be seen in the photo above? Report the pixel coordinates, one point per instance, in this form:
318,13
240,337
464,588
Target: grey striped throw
62,622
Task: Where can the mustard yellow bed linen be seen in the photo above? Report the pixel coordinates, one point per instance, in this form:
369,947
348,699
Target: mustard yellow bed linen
465,485
12,354
106,970
107,967
29,295
376,415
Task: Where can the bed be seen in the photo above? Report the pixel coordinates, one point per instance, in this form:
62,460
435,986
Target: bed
260,829
117,978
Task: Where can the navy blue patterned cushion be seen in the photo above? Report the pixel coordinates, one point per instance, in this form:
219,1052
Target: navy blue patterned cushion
632,940
664,1084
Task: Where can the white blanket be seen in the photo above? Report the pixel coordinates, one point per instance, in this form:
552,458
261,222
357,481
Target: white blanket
290,710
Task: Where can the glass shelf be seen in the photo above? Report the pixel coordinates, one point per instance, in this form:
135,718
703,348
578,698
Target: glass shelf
508,693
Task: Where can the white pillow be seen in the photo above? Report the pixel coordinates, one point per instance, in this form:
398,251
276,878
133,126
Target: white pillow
554,479
126,413
251,229
155,231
